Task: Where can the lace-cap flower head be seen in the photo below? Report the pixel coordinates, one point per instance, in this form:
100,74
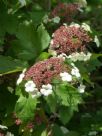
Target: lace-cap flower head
65,11
43,72
70,39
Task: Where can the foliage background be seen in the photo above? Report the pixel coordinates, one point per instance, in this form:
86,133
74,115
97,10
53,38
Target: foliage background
25,35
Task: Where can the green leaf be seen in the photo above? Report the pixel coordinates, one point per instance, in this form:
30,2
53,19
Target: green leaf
10,65
73,133
43,56
44,133
68,95
43,36
52,102
8,21
65,114
56,130
31,42
40,130
25,108
94,62
7,100
37,16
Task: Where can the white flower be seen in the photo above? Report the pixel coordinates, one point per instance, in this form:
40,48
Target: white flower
3,127
46,89
22,2
72,64
21,76
64,24
51,42
30,86
66,76
92,133
82,56
52,52
35,93
74,24
64,130
74,56
88,56
79,56
75,72
63,55
81,88
86,27
9,134
96,40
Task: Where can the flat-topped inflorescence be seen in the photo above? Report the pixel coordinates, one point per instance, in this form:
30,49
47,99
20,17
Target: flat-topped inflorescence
44,71
70,39
65,11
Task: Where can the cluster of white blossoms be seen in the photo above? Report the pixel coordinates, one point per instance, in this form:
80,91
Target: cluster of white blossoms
66,76
75,72
81,88
79,56
9,134
30,87
63,55
3,127
21,76
76,56
92,133
85,26
46,90
96,40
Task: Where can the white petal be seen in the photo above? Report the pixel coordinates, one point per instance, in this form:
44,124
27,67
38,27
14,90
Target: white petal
21,76
3,127
96,40
30,83
9,134
45,92
49,86
86,27
92,133
64,130
75,72
51,42
35,93
29,89
30,86
66,77
81,88
75,25
24,70
63,55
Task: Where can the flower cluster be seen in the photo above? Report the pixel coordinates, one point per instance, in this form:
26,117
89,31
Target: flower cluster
69,39
39,77
65,11
43,72
79,56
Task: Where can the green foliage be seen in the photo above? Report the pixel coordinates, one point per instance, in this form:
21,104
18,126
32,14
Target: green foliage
10,65
25,108
56,130
25,36
68,96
